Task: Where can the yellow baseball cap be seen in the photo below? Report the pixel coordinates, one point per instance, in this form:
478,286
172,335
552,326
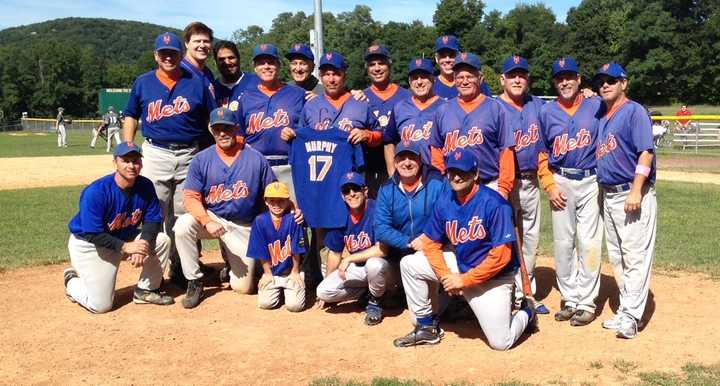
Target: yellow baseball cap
277,190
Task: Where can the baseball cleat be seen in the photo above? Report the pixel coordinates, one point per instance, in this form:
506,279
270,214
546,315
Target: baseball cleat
224,274
532,326
141,296
194,293
68,274
614,323
420,335
373,312
628,327
565,314
541,309
582,318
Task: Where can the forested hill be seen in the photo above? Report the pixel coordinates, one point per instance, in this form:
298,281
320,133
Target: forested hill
120,40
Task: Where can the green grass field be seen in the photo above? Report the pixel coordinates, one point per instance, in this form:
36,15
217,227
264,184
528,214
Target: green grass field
35,226
32,144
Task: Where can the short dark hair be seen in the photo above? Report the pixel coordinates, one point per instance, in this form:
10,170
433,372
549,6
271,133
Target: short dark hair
225,44
197,27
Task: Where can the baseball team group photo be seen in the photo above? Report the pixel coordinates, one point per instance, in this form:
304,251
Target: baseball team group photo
489,196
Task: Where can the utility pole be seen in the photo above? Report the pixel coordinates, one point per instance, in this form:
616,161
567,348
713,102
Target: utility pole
316,37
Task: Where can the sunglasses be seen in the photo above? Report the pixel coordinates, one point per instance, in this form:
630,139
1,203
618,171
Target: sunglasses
610,81
347,189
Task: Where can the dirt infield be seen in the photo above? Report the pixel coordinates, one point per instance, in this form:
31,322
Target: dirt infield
46,339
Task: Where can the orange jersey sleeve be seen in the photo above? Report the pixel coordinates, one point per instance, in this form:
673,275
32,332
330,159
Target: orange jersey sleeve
437,159
506,179
375,138
192,201
433,252
495,261
544,173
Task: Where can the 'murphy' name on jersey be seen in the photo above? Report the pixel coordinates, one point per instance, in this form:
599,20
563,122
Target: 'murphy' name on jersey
474,231
218,193
158,111
258,122
454,140
320,146
562,144
604,149
121,220
279,253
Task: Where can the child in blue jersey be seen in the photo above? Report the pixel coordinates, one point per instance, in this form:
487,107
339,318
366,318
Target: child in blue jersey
357,260
277,241
105,232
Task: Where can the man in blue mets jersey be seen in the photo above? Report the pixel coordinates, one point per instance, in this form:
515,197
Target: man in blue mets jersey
198,45
106,231
626,173
447,48
173,106
477,223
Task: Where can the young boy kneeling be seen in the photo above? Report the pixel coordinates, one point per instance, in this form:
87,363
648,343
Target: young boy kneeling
277,241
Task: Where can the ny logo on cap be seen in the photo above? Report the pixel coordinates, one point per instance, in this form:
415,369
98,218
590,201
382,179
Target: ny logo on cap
296,47
463,56
445,39
418,62
561,62
373,48
516,59
606,66
406,143
220,113
349,175
457,155
328,56
263,47
166,38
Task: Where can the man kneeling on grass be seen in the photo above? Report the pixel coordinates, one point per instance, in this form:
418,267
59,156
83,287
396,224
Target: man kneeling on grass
277,241
105,232
357,260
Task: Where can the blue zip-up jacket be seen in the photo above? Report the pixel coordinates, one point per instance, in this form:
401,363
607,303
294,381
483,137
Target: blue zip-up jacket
399,216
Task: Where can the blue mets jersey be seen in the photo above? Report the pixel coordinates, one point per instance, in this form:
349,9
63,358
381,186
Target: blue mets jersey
570,140
525,126
483,130
232,192
225,94
414,122
354,236
320,114
474,228
623,135
319,159
276,245
263,117
448,91
177,114
105,208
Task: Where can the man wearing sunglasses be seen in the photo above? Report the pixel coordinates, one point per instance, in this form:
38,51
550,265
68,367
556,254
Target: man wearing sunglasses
626,173
569,137
356,262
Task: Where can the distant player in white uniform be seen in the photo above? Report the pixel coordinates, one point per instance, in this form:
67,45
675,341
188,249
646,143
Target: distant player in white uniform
111,126
60,128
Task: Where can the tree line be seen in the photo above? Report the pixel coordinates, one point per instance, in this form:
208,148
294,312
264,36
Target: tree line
671,49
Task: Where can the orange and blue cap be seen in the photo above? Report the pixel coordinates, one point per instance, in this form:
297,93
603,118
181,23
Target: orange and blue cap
447,42
407,146
467,59
125,148
376,50
461,159
333,59
277,190
423,65
352,178
265,50
222,116
565,64
612,70
168,41
515,62
299,49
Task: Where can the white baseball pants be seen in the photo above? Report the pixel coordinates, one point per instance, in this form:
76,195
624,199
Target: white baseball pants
631,247
294,295
244,271
376,275
61,136
577,235
490,301
527,201
94,288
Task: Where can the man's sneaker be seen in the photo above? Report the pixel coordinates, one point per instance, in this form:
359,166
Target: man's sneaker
628,327
373,312
541,309
193,294
614,323
68,274
529,309
420,335
224,274
565,314
582,318
141,296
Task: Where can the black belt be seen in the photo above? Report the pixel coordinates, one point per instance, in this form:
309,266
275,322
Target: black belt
528,175
277,160
617,188
173,145
576,174
486,181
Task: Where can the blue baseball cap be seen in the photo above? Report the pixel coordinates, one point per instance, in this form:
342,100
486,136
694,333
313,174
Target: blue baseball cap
467,58
424,65
125,148
565,64
168,41
299,49
449,42
407,146
352,178
612,70
513,63
267,50
376,50
462,159
333,59
222,115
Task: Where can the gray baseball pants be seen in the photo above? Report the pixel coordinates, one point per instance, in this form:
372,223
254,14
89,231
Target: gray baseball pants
294,295
527,202
577,235
376,276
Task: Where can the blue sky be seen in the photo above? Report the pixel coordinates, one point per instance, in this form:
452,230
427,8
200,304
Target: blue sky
236,13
